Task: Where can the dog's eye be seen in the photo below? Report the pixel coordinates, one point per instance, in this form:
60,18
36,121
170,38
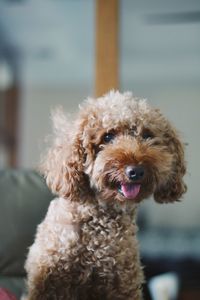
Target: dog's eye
108,137
147,134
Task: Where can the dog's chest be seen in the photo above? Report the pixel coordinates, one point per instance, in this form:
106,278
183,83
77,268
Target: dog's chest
108,236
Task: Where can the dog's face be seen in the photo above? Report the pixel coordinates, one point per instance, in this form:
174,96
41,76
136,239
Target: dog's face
128,163
126,150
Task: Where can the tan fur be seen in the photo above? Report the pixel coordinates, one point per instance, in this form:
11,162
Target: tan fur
86,247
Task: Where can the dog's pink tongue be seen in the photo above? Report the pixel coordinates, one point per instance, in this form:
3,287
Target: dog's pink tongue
130,190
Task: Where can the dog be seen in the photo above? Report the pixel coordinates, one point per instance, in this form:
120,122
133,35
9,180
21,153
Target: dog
117,152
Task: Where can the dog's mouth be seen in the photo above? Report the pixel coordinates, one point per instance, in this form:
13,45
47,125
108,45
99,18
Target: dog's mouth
129,190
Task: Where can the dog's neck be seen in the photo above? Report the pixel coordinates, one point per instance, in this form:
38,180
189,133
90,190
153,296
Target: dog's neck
112,207
126,207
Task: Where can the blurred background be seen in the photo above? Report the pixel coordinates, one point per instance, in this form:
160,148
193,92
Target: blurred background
59,52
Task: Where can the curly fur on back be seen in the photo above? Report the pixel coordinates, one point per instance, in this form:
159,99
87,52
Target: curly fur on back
86,247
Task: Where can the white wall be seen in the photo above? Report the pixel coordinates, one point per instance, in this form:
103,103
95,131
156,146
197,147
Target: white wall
35,122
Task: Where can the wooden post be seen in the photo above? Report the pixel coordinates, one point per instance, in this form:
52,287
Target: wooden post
11,123
107,48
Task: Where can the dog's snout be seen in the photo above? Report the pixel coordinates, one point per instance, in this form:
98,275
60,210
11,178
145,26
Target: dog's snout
135,172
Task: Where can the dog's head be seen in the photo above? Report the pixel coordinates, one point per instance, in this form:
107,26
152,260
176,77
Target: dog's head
120,149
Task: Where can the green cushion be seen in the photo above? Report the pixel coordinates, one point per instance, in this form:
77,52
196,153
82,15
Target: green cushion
16,285
24,199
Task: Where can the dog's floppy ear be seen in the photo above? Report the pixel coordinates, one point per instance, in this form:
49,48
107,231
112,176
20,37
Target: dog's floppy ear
63,164
172,187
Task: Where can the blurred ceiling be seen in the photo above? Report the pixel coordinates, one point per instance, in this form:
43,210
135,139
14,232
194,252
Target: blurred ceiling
51,42
49,39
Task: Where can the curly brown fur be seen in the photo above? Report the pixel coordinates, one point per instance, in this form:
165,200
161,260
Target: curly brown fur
86,247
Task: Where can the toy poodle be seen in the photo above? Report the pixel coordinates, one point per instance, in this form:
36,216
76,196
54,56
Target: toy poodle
117,152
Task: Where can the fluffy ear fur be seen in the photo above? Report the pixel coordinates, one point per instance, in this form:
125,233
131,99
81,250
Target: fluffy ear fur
173,187
63,164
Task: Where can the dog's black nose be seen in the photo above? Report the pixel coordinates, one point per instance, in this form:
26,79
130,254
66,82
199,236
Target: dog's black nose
134,172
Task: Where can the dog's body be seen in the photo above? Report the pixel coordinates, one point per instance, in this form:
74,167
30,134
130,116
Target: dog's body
85,252
121,151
